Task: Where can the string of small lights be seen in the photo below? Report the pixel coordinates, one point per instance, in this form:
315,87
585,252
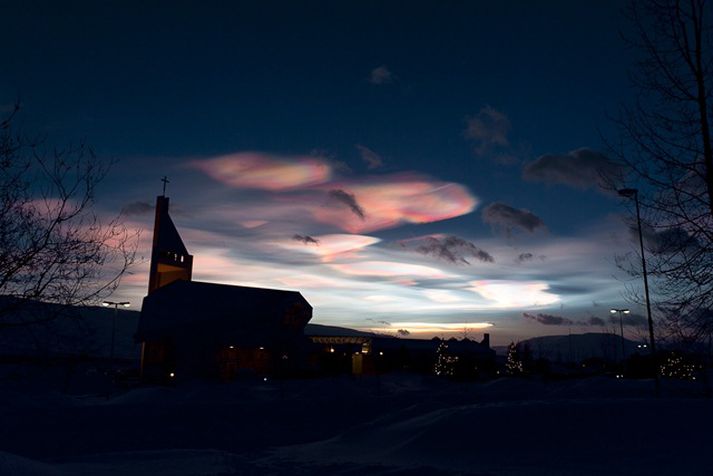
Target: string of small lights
445,363
676,366
513,364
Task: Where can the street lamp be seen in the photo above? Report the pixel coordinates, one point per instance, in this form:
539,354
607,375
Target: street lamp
113,324
634,193
621,313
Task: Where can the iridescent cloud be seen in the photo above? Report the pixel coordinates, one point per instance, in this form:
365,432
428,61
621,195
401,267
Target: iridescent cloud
394,200
329,246
258,170
351,277
253,223
389,269
357,205
442,296
514,294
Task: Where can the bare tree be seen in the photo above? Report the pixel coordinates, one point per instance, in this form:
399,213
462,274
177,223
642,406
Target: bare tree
666,148
53,247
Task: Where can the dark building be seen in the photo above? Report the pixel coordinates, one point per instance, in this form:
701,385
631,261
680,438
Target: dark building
195,329
349,351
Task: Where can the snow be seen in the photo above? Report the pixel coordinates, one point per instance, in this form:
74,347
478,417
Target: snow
398,424
18,466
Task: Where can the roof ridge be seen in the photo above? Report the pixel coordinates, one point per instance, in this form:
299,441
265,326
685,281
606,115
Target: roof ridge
208,283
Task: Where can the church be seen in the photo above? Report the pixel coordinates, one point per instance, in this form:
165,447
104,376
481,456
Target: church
192,329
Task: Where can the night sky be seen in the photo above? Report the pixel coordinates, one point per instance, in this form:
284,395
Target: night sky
427,167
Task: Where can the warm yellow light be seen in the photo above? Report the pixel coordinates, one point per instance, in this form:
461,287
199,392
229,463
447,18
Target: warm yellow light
171,375
105,304
331,349
126,304
436,327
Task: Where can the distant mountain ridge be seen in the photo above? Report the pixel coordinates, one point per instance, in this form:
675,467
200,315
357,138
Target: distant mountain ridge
76,331
577,347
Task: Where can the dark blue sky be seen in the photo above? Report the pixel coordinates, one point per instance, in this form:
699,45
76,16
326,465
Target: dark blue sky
157,87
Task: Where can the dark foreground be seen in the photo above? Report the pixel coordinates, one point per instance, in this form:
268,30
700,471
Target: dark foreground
397,425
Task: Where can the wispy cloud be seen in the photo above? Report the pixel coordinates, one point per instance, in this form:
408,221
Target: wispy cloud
488,130
349,200
665,240
507,218
548,319
371,158
381,75
523,257
449,248
136,208
306,239
581,168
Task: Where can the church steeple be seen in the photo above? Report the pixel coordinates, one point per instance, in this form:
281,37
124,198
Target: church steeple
170,260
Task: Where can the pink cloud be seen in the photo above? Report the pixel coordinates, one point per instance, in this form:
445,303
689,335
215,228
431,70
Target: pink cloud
329,246
253,223
389,201
258,170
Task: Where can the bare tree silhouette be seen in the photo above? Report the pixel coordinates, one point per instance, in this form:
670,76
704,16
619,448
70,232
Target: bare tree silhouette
53,247
666,148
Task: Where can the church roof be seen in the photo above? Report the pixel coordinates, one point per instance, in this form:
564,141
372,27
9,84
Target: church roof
168,237
222,312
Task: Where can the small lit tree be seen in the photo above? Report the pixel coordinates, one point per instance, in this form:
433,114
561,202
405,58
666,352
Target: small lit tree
678,367
513,364
445,363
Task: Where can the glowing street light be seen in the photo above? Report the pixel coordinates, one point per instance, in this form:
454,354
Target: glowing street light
621,312
113,324
634,193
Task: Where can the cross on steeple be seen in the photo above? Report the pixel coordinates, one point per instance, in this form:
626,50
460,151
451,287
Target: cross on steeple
165,181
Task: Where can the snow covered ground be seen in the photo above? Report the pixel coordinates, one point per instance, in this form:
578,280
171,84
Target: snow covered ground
395,425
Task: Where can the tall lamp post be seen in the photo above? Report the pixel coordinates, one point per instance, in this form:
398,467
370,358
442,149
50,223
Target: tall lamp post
621,313
634,193
113,324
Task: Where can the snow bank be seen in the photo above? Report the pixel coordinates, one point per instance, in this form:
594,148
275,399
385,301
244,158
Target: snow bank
561,437
398,424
